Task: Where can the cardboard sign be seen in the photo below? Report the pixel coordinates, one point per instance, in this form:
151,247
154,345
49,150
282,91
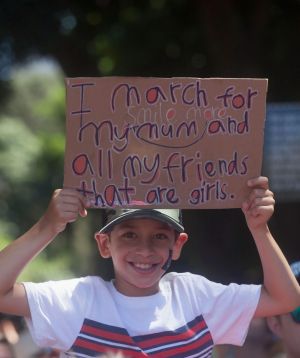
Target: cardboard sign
164,142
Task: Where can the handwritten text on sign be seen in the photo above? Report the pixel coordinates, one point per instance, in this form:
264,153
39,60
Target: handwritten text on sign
164,142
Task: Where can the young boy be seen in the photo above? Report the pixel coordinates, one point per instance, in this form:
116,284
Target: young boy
143,312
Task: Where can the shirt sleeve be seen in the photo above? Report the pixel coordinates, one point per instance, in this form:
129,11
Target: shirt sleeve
56,309
227,309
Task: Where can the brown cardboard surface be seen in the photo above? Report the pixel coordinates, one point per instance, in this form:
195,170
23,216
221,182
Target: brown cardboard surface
164,142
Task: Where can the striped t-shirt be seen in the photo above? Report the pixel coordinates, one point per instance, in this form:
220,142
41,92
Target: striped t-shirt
88,317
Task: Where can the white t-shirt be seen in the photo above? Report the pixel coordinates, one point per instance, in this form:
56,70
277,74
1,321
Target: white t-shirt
86,317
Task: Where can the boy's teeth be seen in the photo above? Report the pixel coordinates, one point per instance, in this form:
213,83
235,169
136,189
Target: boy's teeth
143,266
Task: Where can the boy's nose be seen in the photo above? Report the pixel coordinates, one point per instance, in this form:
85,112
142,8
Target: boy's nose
144,246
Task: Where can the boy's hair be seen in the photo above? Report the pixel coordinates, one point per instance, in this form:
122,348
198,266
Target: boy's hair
171,217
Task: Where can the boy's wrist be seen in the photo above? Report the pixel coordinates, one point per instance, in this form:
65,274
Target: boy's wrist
47,228
260,231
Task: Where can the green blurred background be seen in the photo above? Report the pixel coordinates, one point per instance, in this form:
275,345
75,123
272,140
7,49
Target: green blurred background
41,42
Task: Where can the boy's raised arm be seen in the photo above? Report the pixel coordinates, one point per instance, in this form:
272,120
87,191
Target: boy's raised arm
280,291
64,207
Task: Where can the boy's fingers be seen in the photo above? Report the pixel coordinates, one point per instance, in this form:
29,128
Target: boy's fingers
259,197
73,196
257,202
261,193
262,202
68,204
262,182
265,211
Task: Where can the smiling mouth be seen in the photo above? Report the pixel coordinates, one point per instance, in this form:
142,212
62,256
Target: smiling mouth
143,267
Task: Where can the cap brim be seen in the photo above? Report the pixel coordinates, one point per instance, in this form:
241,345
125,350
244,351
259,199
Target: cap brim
153,214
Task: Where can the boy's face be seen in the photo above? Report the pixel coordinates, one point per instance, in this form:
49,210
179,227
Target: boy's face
139,248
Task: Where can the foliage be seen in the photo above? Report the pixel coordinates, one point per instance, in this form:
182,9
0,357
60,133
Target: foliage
32,145
28,152
31,113
20,149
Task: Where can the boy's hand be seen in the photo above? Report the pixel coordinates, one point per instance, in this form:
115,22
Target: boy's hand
259,206
64,207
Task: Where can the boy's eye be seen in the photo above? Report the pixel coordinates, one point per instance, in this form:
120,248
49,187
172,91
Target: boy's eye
161,236
129,235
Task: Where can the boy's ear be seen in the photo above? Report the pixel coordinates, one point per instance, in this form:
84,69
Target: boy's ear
103,244
179,242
